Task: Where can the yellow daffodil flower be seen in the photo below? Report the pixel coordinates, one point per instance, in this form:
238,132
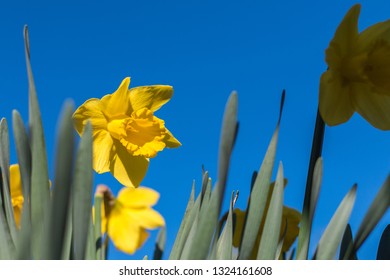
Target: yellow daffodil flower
16,192
125,131
289,228
129,216
358,75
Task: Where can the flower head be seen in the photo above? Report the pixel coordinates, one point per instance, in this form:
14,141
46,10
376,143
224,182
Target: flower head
128,217
125,131
16,192
358,75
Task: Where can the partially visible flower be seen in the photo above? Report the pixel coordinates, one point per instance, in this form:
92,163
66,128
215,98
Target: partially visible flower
16,192
125,131
289,228
358,75
127,218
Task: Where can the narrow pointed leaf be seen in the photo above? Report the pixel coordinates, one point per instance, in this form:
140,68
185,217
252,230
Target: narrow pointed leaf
384,245
23,151
82,193
5,191
55,231
160,244
40,192
179,241
271,232
225,241
331,238
377,209
307,217
347,244
6,245
90,252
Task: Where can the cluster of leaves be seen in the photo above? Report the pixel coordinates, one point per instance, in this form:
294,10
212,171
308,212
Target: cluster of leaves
201,236
56,220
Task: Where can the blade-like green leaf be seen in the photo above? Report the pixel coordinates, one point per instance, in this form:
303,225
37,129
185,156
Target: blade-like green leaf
90,252
384,245
377,209
82,193
307,217
330,240
225,242
179,241
55,231
271,232
160,244
208,216
259,194
67,253
6,244
98,227
346,244
23,151
40,192
4,167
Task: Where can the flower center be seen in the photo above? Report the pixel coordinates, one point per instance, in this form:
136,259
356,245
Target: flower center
141,134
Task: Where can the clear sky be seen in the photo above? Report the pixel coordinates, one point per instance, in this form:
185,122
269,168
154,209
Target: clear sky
204,49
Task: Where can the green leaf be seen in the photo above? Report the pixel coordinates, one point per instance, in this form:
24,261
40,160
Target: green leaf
377,209
90,253
225,242
6,245
347,244
307,217
40,192
160,244
55,231
82,193
330,240
179,241
208,216
23,151
271,232
5,192
98,227
384,245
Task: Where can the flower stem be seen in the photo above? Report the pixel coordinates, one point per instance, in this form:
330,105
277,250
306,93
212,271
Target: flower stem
316,151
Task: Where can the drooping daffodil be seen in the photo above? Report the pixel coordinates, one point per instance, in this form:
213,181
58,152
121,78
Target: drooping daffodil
16,192
358,75
126,133
127,218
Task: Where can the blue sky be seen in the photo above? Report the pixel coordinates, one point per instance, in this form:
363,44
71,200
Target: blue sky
204,49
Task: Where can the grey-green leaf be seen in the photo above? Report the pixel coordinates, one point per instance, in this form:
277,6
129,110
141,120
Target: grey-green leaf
271,232
82,193
330,240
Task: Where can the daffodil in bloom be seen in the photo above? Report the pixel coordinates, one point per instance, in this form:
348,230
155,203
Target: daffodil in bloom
16,192
127,218
126,133
358,75
289,228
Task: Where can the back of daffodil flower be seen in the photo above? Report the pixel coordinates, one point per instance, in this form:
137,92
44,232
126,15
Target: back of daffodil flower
358,78
125,131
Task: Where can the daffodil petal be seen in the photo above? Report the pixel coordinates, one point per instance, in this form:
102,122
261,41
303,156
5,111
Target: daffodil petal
143,236
373,34
335,103
146,217
138,197
127,169
102,151
151,97
346,36
15,181
124,233
291,218
118,103
374,107
91,110
170,141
